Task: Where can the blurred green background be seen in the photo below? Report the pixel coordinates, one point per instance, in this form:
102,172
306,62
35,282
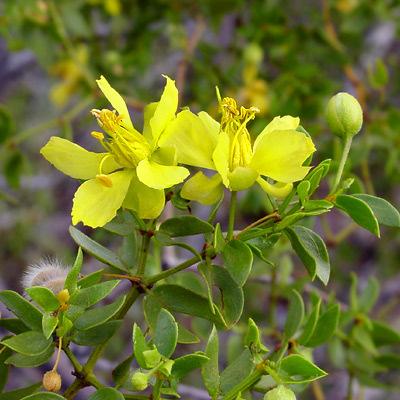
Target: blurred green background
283,57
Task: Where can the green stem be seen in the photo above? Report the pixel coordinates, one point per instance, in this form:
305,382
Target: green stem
157,390
162,275
245,385
74,361
259,222
68,116
350,387
144,250
343,159
232,213
87,369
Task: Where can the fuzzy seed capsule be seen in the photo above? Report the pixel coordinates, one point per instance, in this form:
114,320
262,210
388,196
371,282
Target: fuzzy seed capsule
52,381
344,115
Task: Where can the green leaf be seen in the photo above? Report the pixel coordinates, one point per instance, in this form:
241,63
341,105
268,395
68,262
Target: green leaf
362,336
5,353
139,346
49,324
175,298
97,316
238,260
121,372
44,297
6,125
164,240
232,300
123,224
325,328
106,394
71,281
311,324
253,339
237,371
210,369
219,240
383,334
185,226
385,213
296,369
389,360
91,279
312,251
88,296
188,363
22,309
30,343
295,314
18,394
166,333
185,336
302,191
97,250
23,361
369,295
13,325
359,211
96,335
44,396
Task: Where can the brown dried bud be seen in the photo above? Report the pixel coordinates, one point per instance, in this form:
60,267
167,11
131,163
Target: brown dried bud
52,381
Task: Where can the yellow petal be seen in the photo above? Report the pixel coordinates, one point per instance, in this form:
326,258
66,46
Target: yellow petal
194,141
148,113
74,160
221,157
159,176
165,110
95,203
280,155
278,189
241,178
284,123
115,100
148,203
203,189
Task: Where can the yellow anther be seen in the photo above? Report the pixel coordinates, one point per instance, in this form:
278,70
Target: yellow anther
105,180
97,135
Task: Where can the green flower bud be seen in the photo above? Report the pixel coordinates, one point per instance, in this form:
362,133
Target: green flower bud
151,357
344,115
280,393
140,381
166,367
253,54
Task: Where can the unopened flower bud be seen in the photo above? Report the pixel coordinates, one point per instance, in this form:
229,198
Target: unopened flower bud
280,393
253,54
140,381
63,296
151,357
52,381
344,115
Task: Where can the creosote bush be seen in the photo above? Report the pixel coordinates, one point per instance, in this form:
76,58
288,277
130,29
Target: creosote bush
186,158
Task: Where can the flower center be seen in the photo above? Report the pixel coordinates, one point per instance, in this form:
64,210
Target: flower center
128,146
233,121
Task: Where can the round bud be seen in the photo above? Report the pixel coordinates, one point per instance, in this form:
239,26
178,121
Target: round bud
280,393
63,296
52,381
344,115
140,381
253,54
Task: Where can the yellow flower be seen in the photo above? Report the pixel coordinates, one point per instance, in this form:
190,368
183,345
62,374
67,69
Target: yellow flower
277,153
133,171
